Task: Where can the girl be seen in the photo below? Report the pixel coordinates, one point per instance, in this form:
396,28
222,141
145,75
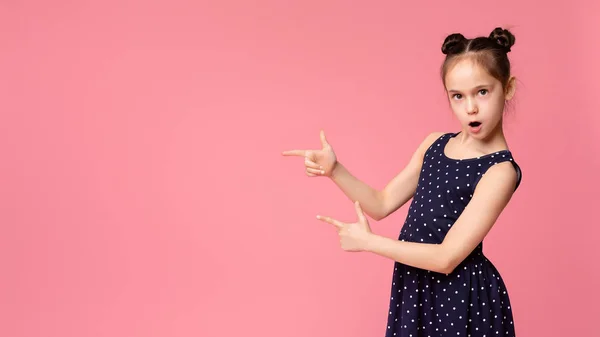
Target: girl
443,285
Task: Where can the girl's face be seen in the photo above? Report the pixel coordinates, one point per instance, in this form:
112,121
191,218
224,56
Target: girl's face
476,98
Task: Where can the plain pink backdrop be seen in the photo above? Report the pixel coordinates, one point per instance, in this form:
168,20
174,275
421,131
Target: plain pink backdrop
143,192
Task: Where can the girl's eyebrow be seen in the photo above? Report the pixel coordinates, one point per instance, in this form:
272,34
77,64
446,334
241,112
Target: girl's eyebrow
477,87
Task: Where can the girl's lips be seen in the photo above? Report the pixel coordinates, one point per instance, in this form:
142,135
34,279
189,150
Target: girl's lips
475,127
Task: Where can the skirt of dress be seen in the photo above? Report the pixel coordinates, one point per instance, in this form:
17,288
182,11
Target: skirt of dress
472,301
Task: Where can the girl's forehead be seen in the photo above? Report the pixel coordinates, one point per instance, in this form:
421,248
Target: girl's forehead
467,73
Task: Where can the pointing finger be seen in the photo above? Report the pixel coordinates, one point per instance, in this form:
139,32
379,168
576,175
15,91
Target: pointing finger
300,153
334,222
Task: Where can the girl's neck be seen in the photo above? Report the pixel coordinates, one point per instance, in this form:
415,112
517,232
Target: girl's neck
495,141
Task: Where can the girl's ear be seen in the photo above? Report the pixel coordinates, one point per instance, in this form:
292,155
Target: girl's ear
509,91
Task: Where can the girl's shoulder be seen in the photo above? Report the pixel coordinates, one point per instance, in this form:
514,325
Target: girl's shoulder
434,137
426,144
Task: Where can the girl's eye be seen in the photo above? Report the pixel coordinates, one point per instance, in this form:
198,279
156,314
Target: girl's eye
483,91
457,96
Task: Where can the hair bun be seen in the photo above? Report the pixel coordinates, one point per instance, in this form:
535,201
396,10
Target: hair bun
451,42
503,37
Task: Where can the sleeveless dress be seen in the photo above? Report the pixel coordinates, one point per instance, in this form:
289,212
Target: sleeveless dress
472,301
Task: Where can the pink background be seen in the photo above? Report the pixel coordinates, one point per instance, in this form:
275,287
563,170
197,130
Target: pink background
143,192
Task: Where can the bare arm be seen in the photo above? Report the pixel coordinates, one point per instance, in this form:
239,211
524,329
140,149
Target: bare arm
491,196
378,204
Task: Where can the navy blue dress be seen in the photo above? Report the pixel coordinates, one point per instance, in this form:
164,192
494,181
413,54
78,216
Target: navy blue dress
472,301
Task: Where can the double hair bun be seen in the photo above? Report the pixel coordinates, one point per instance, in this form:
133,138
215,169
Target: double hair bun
456,42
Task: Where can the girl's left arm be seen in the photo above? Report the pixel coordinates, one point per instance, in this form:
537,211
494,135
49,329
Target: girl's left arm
491,196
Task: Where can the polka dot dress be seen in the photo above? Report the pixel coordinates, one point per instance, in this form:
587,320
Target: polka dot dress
472,301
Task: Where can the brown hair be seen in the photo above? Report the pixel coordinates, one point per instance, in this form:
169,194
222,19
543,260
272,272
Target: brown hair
489,52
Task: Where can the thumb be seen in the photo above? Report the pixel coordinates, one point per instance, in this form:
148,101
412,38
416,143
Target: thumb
359,211
323,139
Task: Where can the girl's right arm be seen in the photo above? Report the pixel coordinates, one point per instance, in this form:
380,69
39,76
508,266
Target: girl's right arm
378,204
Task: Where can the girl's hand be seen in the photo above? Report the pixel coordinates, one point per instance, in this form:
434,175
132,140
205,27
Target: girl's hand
317,162
354,236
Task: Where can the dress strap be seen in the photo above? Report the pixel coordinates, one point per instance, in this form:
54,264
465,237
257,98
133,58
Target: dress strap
501,157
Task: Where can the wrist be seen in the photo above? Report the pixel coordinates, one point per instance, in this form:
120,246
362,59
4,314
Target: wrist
335,170
370,242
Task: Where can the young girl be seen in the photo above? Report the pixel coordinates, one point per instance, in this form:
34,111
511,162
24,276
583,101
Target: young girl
443,285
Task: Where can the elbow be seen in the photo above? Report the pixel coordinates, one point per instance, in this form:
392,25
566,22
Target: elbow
382,211
446,269
382,214
377,214
446,265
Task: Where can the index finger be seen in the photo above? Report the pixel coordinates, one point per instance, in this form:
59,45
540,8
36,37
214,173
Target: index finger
332,221
300,153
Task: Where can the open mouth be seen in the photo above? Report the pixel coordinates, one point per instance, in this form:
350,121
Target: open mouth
474,124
